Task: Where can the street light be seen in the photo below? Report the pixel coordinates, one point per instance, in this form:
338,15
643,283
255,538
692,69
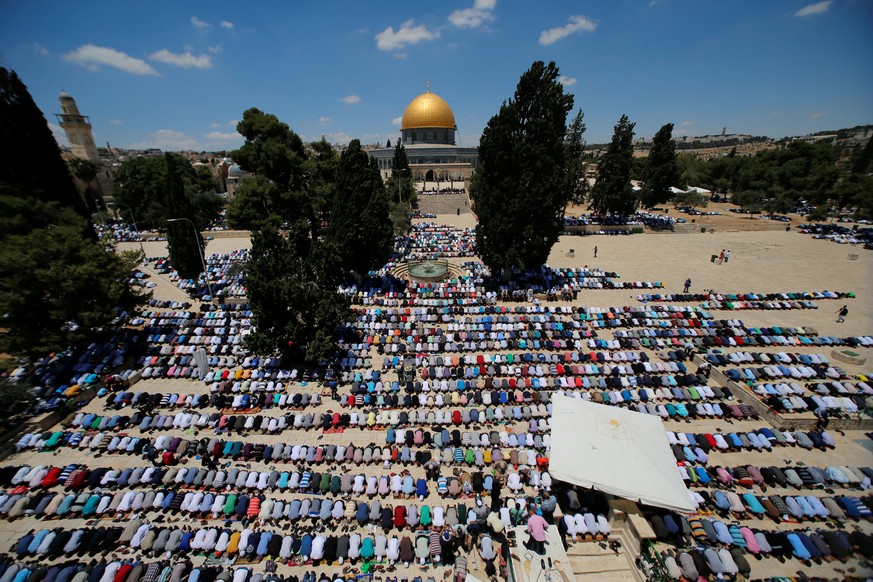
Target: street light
200,248
133,218
399,195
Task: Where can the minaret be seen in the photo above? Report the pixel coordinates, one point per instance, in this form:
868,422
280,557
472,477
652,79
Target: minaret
78,129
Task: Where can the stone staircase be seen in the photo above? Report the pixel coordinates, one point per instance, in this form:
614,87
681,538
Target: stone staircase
594,561
443,203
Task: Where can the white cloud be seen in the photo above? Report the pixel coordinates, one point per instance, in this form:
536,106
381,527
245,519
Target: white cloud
185,60
397,120
116,122
481,12
168,140
91,57
350,99
812,9
40,49
339,137
817,114
223,136
567,81
575,23
233,122
408,33
226,24
59,134
363,31
215,49
322,121
686,123
201,24
215,125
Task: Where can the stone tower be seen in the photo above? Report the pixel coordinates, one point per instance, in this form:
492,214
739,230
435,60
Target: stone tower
78,129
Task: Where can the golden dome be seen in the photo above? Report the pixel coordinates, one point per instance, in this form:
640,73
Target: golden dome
428,110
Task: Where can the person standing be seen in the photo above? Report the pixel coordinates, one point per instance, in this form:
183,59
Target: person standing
537,528
595,251
727,256
721,257
842,313
687,285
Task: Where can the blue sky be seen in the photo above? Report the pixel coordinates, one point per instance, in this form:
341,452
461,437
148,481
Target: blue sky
176,75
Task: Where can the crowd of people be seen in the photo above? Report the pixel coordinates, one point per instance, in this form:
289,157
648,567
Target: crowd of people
424,440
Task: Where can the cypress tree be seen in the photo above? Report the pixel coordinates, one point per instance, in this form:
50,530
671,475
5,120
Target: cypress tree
30,159
613,194
662,169
184,241
519,189
359,223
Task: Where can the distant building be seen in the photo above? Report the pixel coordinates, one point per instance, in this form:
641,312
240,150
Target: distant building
427,133
235,175
78,129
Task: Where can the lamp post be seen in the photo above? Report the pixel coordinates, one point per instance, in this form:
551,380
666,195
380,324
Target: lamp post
200,248
399,183
133,218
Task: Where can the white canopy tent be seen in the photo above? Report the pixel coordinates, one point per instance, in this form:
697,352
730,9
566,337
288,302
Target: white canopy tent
617,451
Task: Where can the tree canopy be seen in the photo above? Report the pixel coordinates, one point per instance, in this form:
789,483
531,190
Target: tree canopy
59,285
141,184
30,160
779,178
613,194
661,170
315,218
521,186
359,222
574,146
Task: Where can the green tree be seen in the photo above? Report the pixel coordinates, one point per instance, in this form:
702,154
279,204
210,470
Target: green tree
750,201
613,194
86,172
140,184
854,192
322,167
691,170
359,223
292,283
296,265
30,160
184,241
400,163
864,160
780,204
400,214
271,149
574,152
691,200
252,203
520,188
277,154
58,287
400,182
662,169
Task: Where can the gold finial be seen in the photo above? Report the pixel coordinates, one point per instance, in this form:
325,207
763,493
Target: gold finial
427,86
